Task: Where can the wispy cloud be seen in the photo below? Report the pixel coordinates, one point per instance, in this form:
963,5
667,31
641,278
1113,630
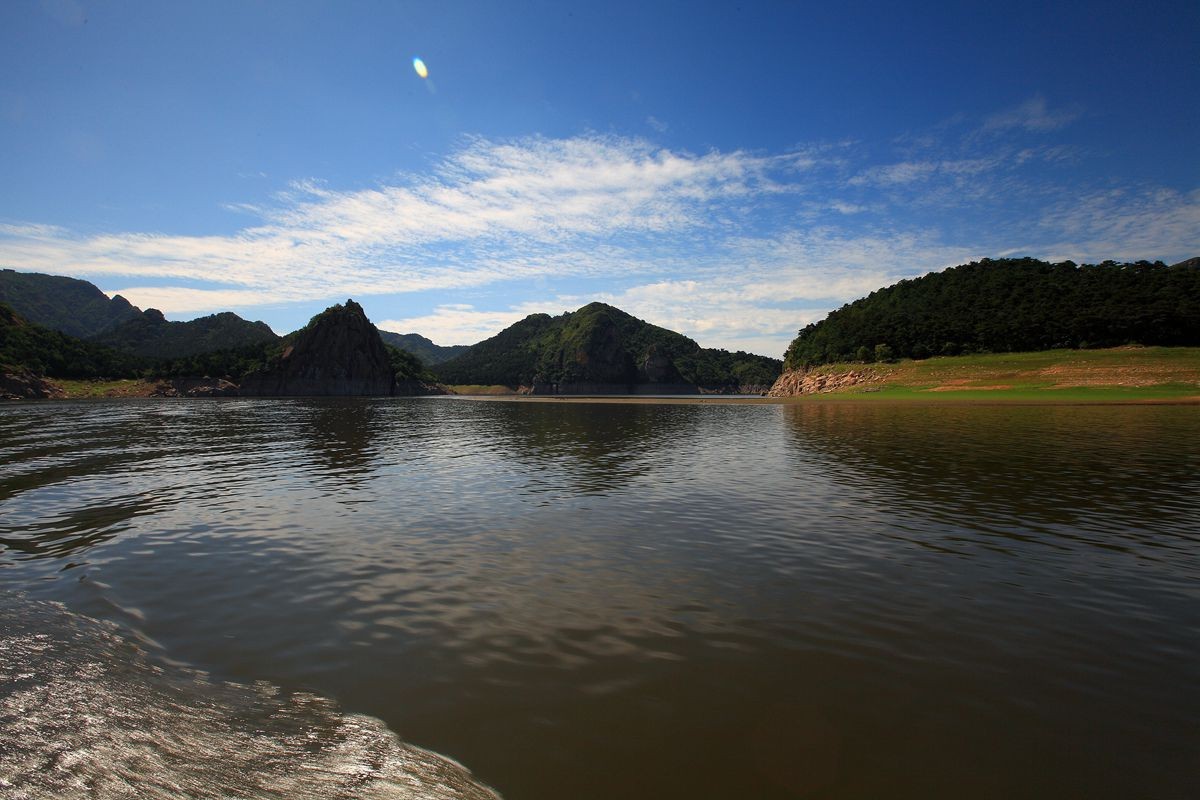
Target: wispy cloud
1032,115
751,295
732,248
1123,224
493,211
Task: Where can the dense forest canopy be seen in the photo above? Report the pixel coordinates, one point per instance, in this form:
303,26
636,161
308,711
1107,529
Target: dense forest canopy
1009,305
24,345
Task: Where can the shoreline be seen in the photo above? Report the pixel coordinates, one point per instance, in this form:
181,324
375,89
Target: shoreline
881,398
1065,396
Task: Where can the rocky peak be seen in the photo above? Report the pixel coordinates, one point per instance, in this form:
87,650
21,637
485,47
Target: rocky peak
338,353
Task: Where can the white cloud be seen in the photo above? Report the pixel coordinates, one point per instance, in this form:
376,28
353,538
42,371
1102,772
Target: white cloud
1124,225
1032,115
458,323
912,171
491,212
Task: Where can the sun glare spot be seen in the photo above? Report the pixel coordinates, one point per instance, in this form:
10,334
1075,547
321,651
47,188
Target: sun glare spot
420,67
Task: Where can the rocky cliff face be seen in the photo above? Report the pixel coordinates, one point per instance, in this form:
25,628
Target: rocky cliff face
797,382
22,384
339,353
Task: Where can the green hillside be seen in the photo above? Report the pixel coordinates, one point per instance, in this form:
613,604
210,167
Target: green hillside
68,305
42,351
422,348
152,336
600,345
1011,305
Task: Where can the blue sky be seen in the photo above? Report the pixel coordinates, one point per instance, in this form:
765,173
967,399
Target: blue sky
729,171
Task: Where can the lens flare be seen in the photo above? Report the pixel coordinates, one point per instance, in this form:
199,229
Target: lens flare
420,67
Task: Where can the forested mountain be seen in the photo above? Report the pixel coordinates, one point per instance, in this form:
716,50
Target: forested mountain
77,308
42,351
152,336
422,348
1009,305
68,305
601,346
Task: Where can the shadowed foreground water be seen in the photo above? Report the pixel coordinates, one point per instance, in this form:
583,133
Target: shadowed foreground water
599,601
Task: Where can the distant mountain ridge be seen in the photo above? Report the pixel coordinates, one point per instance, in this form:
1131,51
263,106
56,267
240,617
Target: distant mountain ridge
600,349
68,305
78,308
423,348
153,336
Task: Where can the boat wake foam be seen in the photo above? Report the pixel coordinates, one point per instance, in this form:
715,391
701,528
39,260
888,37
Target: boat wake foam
85,713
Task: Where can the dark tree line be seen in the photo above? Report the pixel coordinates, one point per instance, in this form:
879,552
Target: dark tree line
24,345
1011,305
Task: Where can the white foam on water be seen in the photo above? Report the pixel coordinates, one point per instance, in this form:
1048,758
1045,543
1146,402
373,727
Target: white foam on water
85,713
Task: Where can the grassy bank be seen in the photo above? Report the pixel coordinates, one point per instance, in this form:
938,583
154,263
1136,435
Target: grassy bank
83,389
1125,374
482,390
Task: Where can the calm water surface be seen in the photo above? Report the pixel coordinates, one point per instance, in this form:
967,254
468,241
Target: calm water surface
602,601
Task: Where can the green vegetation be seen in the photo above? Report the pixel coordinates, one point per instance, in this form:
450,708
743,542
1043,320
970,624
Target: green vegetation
74,307
422,348
600,344
491,390
24,345
48,352
1010,305
152,336
407,366
232,363
77,389
80,310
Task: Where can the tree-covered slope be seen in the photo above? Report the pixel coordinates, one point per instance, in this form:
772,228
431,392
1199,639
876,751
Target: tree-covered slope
601,345
422,348
69,305
42,351
152,336
1011,305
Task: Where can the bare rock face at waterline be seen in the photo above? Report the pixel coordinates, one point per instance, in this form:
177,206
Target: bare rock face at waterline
21,384
339,353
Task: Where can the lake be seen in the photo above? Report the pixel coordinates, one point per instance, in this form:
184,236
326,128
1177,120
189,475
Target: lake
604,600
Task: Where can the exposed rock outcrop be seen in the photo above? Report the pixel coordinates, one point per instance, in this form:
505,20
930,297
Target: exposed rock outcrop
339,353
25,385
195,387
797,382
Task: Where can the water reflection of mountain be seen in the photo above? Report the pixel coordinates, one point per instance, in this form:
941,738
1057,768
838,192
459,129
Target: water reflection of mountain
343,437
597,448
1014,470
